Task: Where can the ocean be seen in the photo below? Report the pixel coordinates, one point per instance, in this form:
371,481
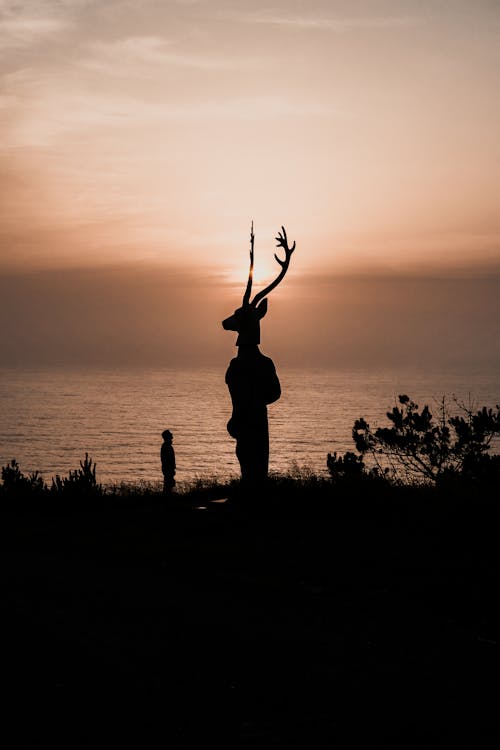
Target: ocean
49,418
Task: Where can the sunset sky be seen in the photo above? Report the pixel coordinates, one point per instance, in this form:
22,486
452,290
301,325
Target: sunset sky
139,139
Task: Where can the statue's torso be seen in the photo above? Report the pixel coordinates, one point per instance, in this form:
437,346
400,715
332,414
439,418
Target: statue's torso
253,384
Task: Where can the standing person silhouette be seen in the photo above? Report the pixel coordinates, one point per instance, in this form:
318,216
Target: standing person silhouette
167,455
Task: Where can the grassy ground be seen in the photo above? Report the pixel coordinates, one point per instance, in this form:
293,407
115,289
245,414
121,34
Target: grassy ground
305,616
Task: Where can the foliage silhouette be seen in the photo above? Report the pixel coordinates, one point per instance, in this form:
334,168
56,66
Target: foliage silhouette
419,448
17,483
351,468
79,481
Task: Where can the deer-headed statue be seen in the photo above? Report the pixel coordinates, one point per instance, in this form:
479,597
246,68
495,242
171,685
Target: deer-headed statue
251,377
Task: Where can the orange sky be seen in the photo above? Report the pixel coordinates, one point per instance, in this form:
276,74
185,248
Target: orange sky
155,131
139,139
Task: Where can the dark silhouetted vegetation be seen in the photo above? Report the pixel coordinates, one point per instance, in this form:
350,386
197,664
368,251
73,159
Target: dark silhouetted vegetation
79,481
354,608
14,482
418,447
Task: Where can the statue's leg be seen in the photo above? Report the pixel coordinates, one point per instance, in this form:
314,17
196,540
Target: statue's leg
244,456
252,450
262,453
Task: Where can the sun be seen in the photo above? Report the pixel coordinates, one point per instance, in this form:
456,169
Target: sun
265,268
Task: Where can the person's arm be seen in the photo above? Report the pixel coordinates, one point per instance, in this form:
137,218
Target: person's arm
272,385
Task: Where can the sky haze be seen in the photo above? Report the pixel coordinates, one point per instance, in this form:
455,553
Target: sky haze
140,139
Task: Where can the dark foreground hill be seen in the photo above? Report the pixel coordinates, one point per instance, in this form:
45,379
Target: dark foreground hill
362,619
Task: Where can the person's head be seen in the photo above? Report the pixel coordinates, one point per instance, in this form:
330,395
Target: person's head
167,436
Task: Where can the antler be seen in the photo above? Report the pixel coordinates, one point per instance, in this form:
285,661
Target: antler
282,242
248,290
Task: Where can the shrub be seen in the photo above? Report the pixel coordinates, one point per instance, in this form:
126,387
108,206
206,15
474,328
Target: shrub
348,466
417,447
79,481
14,482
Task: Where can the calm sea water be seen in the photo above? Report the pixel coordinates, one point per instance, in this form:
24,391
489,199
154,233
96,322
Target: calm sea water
50,418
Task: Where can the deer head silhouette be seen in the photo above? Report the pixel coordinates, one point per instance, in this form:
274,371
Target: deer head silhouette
246,319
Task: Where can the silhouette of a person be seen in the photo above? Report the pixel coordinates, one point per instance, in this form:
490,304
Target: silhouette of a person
168,467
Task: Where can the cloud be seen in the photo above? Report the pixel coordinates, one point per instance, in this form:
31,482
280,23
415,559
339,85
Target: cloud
48,114
30,23
116,315
392,320
135,55
149,315
328,23
23,32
